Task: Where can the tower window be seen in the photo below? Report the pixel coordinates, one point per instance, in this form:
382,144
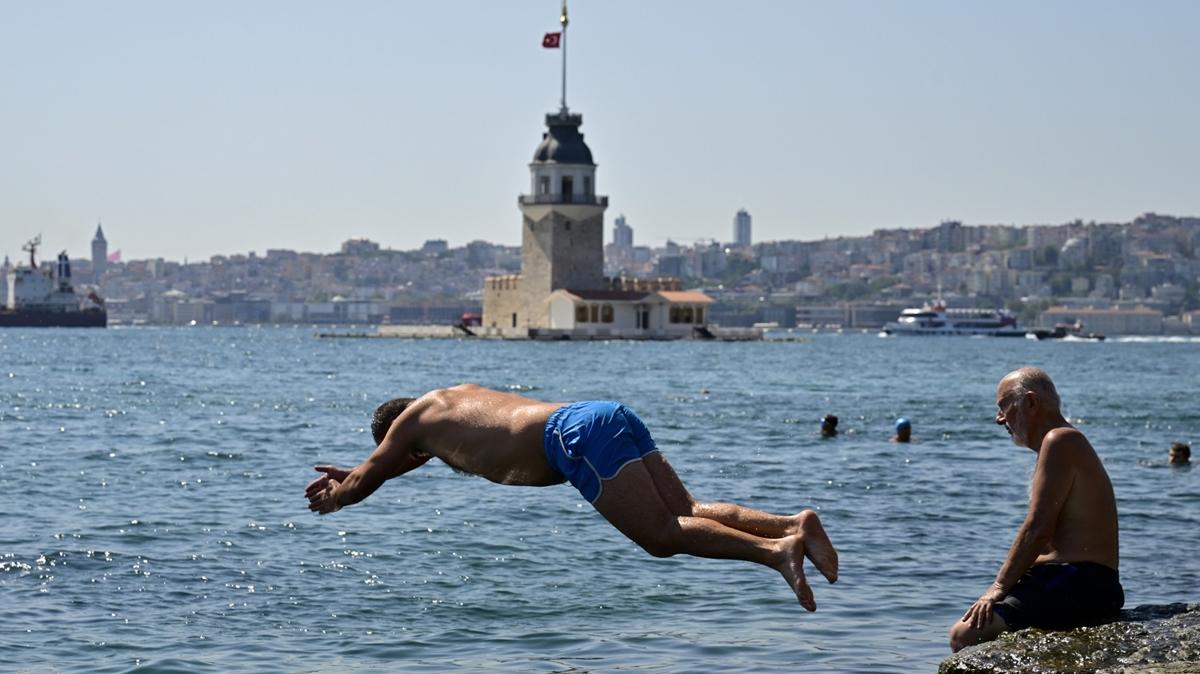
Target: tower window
544,185
587,186
568,188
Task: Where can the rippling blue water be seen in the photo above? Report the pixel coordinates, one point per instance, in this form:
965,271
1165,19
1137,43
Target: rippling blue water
151,487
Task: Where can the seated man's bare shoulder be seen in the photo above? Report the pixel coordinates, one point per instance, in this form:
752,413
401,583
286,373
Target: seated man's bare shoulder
1067,444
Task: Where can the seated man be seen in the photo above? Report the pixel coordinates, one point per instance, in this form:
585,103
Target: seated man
1061,571
603,449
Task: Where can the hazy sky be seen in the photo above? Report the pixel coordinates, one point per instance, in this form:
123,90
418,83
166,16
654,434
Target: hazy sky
201,128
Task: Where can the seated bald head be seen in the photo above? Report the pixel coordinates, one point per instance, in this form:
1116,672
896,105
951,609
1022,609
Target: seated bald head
1035,380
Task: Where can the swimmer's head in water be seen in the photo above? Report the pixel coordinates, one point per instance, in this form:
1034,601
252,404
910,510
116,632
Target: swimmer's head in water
385,414
829,424
903,422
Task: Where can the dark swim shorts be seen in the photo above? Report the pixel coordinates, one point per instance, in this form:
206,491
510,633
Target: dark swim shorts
1059,596
590,442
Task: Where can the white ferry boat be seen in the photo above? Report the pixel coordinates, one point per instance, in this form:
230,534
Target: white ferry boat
936,319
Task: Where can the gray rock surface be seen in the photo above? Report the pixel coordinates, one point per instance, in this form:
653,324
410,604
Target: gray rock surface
1145,640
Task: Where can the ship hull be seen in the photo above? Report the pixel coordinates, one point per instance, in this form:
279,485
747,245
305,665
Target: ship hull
905,331
53,319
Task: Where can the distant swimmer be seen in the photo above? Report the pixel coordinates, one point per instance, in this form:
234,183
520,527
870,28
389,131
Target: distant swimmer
1061,571
1181,454
829,424
903,430
603,449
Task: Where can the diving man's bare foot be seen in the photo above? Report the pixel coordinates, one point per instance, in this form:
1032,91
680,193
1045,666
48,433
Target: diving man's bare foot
817,547
792,567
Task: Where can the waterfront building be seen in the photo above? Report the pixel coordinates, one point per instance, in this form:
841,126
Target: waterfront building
741,229
873,316
1020,259
1104,286
1073,255
822,316
1137,320
99,254
434,247
1192,320
359,247
1039,237
948,237
628,314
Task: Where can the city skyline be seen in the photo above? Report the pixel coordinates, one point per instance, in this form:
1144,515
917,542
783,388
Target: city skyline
193,133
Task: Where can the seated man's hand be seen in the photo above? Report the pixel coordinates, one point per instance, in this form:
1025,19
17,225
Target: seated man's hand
980,613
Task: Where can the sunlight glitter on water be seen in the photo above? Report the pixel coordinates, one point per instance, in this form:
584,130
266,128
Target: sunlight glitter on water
150,532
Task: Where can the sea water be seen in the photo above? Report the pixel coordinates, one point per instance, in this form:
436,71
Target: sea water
151,486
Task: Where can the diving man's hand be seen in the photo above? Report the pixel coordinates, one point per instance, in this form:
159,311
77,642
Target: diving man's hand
322,492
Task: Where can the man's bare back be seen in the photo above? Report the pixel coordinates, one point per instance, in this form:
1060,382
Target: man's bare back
476,430
1086,528
603,449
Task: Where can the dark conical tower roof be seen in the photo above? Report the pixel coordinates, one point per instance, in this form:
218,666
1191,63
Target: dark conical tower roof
99,233
562,143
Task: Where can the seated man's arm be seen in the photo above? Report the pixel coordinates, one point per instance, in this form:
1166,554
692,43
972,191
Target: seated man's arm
1051,483
395,456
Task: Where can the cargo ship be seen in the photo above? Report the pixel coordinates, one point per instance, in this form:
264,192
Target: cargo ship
47,299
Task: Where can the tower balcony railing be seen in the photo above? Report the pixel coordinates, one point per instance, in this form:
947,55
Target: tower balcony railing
584,199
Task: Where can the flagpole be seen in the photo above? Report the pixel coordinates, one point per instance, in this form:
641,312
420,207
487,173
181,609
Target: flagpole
563,20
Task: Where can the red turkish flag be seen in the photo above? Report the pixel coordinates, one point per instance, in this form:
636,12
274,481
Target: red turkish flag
552,40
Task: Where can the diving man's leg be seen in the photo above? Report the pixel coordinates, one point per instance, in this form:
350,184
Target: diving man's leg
805,524
631,502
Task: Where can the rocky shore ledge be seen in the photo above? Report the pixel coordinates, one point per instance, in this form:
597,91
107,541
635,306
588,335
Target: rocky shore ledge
1145,640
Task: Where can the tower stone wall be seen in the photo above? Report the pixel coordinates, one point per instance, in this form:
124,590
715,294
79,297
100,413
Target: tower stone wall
504,305
561,249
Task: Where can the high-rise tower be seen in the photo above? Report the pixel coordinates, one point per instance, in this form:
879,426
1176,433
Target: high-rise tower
741,229
622,237
99,253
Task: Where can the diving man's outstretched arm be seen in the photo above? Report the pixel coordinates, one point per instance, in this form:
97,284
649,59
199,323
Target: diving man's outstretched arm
395,456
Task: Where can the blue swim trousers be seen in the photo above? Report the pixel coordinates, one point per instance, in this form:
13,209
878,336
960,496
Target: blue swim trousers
590,442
